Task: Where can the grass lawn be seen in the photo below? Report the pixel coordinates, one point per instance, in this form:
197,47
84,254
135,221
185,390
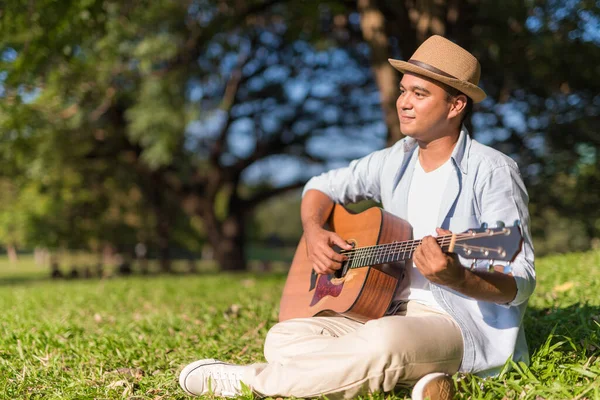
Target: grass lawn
129,337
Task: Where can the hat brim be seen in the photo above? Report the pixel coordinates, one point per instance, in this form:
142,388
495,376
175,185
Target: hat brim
472,91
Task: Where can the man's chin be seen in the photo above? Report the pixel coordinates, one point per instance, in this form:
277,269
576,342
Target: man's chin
407,131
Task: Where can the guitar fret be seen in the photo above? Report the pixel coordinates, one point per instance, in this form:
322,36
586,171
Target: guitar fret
389,252
361,257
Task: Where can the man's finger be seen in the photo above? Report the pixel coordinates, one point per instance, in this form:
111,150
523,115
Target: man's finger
337,240
431,246
323,261
442,232
417,256
317,268
429,251
321,268
327,262
332,255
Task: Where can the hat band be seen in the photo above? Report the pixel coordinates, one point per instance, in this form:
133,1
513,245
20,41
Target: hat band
431,68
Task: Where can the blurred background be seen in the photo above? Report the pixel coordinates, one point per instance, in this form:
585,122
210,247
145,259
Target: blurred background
170,135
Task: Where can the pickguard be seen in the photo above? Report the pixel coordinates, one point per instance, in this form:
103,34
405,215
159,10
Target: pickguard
327,285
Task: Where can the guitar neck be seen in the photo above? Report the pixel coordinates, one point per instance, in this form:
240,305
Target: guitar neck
390,252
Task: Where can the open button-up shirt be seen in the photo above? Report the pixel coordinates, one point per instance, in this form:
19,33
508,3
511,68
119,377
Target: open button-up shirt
485,186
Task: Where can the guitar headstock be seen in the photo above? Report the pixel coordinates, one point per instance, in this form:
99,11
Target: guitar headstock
502,243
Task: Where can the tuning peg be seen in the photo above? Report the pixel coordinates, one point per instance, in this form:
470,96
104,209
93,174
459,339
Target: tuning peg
507,268
484,225
517,222
490,266
472,267
499,224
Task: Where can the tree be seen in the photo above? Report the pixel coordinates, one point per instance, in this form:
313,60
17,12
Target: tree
196,108
200,106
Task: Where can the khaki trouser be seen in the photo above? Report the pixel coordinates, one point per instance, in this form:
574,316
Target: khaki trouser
341,358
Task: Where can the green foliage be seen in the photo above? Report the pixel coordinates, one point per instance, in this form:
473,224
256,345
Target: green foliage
279,218
157,120
182,102
101,97
539,61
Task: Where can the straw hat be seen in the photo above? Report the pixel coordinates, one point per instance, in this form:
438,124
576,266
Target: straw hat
442,60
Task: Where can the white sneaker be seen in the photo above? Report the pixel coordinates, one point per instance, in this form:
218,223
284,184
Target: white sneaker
434,386
212,376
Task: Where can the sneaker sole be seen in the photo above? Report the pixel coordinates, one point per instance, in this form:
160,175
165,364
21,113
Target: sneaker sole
418,391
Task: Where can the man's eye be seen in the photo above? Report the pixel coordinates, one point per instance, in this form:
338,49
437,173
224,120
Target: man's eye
419,94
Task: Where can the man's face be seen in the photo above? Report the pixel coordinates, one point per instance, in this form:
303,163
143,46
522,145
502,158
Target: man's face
423,108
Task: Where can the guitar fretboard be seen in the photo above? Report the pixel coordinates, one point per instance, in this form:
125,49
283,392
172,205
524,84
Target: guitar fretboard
388,253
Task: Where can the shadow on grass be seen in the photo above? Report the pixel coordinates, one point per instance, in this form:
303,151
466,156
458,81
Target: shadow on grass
579,322
29,279
22,280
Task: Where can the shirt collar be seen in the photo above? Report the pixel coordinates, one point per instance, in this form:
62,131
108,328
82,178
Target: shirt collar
460,154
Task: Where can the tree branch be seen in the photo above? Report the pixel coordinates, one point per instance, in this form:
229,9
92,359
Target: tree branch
195,44
231,91
258,198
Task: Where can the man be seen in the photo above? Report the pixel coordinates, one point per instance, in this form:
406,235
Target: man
444,318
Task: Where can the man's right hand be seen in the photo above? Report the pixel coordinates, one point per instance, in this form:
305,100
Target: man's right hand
318,246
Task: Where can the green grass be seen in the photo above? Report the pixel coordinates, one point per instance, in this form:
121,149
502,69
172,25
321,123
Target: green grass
129,337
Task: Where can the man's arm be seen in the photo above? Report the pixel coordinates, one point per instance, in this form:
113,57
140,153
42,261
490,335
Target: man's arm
358,181
314,211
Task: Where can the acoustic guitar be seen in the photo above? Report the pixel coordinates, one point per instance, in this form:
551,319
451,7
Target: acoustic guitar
363,288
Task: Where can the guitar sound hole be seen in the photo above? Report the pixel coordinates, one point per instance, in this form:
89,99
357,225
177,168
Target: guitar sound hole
340,273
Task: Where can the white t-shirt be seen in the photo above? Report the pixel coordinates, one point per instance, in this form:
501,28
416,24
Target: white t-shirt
424,200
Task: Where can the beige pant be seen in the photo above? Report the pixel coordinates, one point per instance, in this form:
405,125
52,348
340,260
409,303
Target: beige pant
341,358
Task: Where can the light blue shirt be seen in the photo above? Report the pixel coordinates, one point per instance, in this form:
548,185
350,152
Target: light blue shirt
484,186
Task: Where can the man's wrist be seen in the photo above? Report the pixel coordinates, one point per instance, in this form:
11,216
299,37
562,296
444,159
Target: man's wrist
311,226
460,276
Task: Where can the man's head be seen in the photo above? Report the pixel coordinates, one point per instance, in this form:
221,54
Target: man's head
438,88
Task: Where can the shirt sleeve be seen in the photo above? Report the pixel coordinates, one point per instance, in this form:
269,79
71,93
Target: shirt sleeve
361,180
503,197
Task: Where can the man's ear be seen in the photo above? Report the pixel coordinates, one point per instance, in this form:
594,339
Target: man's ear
458,105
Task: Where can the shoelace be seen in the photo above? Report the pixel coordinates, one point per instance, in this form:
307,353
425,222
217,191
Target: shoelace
225,382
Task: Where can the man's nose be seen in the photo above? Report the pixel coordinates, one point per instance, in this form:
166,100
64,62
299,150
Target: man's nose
404,102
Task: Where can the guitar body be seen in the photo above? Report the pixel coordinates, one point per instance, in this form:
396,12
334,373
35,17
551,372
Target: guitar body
361,294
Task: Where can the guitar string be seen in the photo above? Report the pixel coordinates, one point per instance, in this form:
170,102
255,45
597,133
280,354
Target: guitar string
416,243
359,262
389,250
387,256
381,250
390,253
459,237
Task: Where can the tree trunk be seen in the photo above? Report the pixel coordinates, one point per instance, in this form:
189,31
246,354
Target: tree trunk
11,250
164,234
372,23
160,206
229,244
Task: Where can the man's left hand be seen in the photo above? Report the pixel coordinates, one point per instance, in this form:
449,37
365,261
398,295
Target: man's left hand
437,266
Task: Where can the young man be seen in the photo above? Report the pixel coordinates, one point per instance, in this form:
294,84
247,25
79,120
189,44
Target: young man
445,318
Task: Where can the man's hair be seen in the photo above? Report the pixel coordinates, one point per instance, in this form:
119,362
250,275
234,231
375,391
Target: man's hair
452,93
